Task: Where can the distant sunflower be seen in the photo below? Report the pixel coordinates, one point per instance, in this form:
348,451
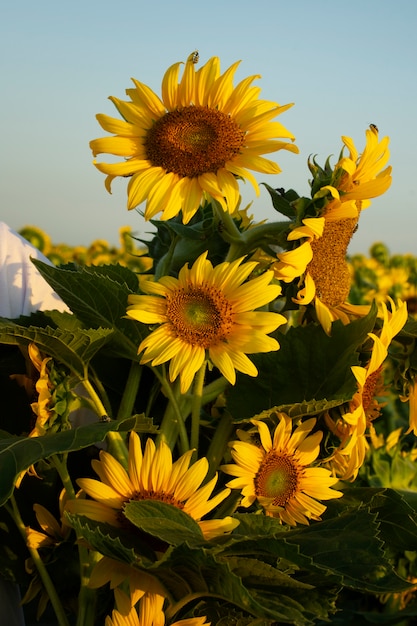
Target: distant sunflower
276,472
197,140
151,476
204,312
319,256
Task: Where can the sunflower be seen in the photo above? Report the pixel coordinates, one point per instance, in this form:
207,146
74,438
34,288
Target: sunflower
276,472
54,531
319,258
207,311
412,400
151,476
364,407
195,141
150,613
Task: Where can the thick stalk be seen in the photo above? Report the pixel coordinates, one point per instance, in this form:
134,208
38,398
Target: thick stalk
196,408
116,443
214,389
219,443
130,391
172,424
39,564
87,597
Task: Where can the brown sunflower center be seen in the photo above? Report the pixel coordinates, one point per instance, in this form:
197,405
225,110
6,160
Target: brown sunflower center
161,496
193,140
200,315
328,266
277,478
372,388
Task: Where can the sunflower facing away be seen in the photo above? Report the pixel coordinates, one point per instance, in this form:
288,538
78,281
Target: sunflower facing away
364,407
319,254
196,140
207,311
151,476
276,472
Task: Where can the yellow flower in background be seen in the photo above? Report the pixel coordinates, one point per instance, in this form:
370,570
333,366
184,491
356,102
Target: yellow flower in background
319,258
150,613
151,476
196,140
412,400
117,573
277,473
43,407
204,312
364,407
53,531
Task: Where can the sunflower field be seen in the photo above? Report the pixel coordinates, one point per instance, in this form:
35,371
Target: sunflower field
217,425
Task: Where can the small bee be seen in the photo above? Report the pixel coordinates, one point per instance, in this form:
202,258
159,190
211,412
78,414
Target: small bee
194,57
373,127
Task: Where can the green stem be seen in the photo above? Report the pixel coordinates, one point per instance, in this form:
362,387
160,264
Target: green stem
196,407
87,559
219,443
173,422
130,391
214,389
116,443
94,397
87,598
62,469
230,232
40,566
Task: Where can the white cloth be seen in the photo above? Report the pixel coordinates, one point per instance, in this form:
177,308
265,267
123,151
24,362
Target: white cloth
22,288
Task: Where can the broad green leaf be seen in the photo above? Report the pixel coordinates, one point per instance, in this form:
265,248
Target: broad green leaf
204,575
113,542
349,549
72,348
97,295
17,454
397,514
164,521
255,572
311,371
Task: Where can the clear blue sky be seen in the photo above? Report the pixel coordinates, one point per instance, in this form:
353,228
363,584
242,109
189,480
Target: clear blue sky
345,65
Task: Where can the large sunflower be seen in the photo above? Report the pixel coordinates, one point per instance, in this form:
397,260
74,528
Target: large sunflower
151,476
276,472
319,254
207,311
198,138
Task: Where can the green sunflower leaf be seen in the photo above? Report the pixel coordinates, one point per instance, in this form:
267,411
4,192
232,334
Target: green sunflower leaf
255,572
17,454
97,295
311,371
74,349
350,549
110,541
165,521
195,574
